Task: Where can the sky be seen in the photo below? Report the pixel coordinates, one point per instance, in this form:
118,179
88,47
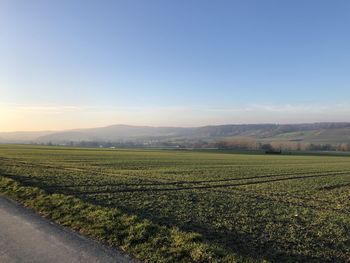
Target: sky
74,64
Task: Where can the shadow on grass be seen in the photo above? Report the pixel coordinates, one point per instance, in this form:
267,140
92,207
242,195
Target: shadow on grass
243,244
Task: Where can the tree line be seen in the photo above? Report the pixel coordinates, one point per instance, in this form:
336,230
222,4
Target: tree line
249,144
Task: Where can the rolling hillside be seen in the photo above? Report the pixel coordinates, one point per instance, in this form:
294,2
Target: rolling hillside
314,133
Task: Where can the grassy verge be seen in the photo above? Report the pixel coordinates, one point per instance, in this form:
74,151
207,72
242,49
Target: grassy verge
142,238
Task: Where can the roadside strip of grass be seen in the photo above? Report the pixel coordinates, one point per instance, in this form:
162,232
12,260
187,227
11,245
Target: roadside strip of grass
143,239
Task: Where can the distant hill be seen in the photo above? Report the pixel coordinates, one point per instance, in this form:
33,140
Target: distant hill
116,133
310,132
22,136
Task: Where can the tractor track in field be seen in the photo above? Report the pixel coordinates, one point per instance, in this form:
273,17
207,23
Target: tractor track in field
204,186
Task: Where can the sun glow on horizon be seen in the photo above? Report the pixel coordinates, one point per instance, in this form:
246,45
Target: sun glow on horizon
21,117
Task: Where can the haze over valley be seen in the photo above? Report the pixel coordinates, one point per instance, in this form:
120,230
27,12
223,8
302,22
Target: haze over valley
318,133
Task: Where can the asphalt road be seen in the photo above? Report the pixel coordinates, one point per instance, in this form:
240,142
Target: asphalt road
27,237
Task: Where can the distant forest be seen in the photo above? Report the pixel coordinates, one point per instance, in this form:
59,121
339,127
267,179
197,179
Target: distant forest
244,144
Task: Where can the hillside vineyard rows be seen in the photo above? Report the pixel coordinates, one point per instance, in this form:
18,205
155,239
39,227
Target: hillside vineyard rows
259,207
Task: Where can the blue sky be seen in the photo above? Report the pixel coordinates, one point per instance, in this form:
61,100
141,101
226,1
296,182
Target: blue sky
69,64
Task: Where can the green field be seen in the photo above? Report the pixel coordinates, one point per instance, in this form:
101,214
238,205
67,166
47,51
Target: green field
172,206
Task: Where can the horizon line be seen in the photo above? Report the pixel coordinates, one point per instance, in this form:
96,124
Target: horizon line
189,127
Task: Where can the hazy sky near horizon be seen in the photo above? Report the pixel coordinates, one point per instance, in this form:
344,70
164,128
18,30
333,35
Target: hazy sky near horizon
70,64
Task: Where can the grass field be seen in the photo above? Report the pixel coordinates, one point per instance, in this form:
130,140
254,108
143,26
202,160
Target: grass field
173,206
